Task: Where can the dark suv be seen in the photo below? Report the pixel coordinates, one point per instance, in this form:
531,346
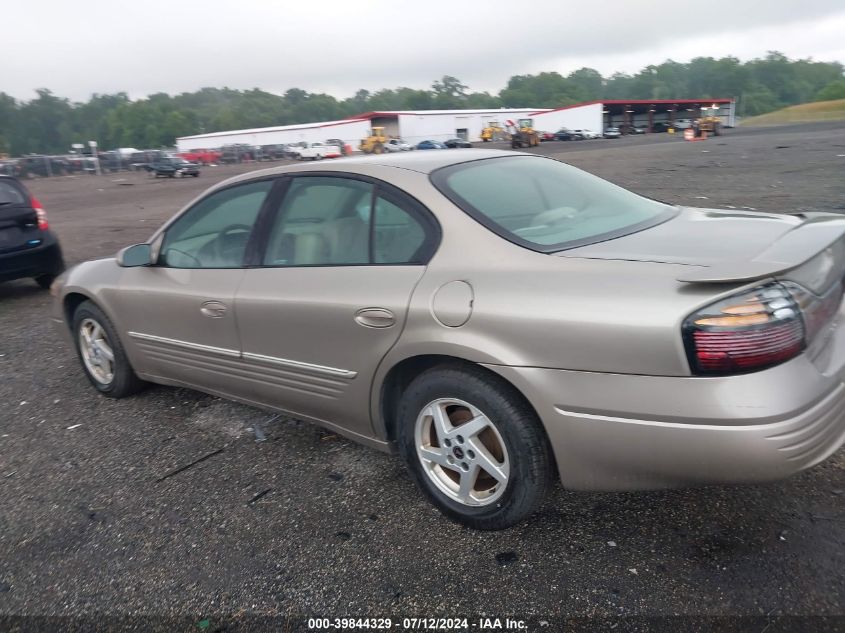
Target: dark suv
27,246
173,166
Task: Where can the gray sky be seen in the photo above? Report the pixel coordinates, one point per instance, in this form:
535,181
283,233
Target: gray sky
337,46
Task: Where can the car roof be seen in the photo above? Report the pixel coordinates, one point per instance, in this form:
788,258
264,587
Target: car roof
422,162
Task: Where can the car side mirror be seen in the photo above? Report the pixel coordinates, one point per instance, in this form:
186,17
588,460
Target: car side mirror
135,255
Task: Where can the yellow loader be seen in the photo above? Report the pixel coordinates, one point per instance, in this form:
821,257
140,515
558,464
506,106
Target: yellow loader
375,142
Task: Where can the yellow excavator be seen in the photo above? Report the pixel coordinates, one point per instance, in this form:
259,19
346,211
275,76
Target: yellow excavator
492,132
375,142
523,133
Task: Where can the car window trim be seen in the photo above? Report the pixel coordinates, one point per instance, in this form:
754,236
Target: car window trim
408,203
257,244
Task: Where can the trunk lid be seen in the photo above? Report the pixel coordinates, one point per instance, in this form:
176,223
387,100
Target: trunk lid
736,246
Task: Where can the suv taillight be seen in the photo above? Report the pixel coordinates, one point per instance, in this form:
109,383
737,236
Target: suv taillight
39,211
746,332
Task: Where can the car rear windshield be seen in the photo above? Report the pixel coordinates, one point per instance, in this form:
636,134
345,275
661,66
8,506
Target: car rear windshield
546,205
10,193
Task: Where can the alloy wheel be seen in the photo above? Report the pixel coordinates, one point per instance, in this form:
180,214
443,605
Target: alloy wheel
97,352
462,452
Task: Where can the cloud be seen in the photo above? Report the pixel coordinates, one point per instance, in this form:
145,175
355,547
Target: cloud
103,46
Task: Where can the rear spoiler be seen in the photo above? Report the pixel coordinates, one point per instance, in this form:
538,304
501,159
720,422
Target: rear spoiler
817,240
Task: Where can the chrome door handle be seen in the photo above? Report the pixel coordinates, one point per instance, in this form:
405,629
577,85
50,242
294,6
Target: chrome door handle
213,309
375,317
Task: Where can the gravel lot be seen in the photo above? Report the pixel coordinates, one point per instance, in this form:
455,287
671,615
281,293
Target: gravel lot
93,519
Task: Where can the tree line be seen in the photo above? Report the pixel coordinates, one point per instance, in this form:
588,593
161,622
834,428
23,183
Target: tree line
50,124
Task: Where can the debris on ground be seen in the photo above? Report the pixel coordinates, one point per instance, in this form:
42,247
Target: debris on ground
176,471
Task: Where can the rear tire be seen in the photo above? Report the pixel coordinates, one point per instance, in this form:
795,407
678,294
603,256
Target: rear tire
45,281
96,339
474,447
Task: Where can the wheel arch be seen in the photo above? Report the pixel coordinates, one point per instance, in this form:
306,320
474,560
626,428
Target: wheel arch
400,375
71,301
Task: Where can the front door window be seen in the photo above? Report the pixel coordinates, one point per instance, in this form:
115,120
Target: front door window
214,233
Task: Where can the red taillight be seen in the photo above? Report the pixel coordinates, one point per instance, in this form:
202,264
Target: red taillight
746,332
725,352
39,211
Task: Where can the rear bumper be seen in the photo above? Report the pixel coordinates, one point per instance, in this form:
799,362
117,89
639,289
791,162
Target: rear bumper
45,259
627,432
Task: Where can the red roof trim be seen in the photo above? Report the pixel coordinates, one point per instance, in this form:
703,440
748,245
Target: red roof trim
635,102
373,115
344,122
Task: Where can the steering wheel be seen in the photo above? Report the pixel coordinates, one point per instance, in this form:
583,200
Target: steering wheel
224,244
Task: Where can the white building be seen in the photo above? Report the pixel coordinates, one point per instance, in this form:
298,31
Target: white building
350,131
412,126
440,125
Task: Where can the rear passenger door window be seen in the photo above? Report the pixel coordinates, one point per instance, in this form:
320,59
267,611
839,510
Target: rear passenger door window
335,221
398,236
322,221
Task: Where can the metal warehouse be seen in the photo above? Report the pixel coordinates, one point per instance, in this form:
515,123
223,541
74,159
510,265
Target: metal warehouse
647,114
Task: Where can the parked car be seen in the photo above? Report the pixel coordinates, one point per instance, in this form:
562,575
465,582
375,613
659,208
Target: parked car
612,132
565,134
9,167
292,149
318,151
236,153
546,136
274,152
532,321
201,156
28,248
397,145
173,167
585,134
344,147
430,145
683,124
453,143
635,129
80,163
40,165
112,161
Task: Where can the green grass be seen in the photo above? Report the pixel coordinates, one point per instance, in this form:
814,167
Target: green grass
803,113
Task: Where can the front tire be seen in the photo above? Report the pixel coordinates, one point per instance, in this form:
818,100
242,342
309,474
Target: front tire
474,446
101,353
